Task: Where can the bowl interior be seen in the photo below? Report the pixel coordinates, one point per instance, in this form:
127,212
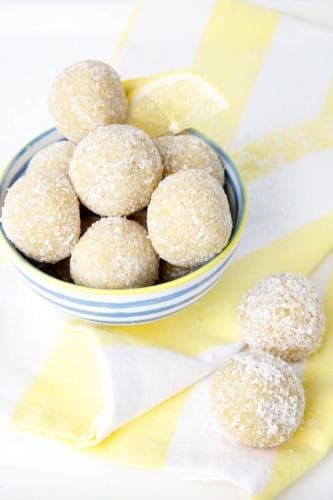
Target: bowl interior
234,188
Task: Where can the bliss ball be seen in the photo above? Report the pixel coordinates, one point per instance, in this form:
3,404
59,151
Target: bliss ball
114,253
181,152
85,95
283,314
257,399
41,216
169,272
115,170
55,156
189,218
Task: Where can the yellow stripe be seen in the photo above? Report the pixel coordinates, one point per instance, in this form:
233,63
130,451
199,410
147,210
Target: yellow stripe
65,396
287,145
126,33
231,53
146,440
314,439
328,105
283,147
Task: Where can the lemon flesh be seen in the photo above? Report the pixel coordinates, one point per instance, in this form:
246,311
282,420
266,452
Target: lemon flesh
171,103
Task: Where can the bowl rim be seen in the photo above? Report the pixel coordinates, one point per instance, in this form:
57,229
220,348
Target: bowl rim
22,262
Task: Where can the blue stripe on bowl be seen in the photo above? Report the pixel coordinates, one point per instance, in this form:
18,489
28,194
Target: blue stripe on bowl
149,316
116,315
166,297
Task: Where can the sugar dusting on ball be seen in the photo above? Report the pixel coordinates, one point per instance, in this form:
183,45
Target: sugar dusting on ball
181,152
56,156
41,216
189,218
114,253
115,170
85,95
283,314
257,399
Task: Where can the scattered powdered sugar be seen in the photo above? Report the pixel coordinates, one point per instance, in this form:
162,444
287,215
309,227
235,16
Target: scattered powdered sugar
283,314
85,95
115,169
257,399
189,218
182,152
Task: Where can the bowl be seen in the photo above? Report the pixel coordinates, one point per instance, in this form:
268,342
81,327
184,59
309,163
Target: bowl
133,306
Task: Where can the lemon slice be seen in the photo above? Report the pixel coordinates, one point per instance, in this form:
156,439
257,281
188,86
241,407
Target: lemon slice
172,102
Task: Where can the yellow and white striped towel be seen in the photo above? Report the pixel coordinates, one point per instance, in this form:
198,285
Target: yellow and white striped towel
140,394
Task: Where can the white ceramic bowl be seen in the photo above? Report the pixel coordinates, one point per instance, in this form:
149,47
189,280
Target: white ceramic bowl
134,306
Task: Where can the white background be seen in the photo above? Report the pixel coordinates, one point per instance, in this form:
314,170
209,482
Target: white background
38,39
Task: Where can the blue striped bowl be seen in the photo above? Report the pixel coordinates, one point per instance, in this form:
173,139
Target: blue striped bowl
134,306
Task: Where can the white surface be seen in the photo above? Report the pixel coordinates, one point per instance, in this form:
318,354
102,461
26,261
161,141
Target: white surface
31,469
312,11
29,59
283,74
16,370
313,173
184,35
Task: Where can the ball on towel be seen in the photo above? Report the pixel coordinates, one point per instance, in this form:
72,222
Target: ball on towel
283,314
257,399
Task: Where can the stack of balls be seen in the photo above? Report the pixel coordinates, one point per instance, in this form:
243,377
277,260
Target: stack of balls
109,207
256,396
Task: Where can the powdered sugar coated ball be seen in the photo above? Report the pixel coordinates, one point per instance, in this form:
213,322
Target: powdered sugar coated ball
189,218
283,314
115,169
257,399
41,216
55,156
181,152
85,95
114,253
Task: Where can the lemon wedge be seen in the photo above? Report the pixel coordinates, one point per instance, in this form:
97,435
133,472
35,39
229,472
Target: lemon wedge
172,102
